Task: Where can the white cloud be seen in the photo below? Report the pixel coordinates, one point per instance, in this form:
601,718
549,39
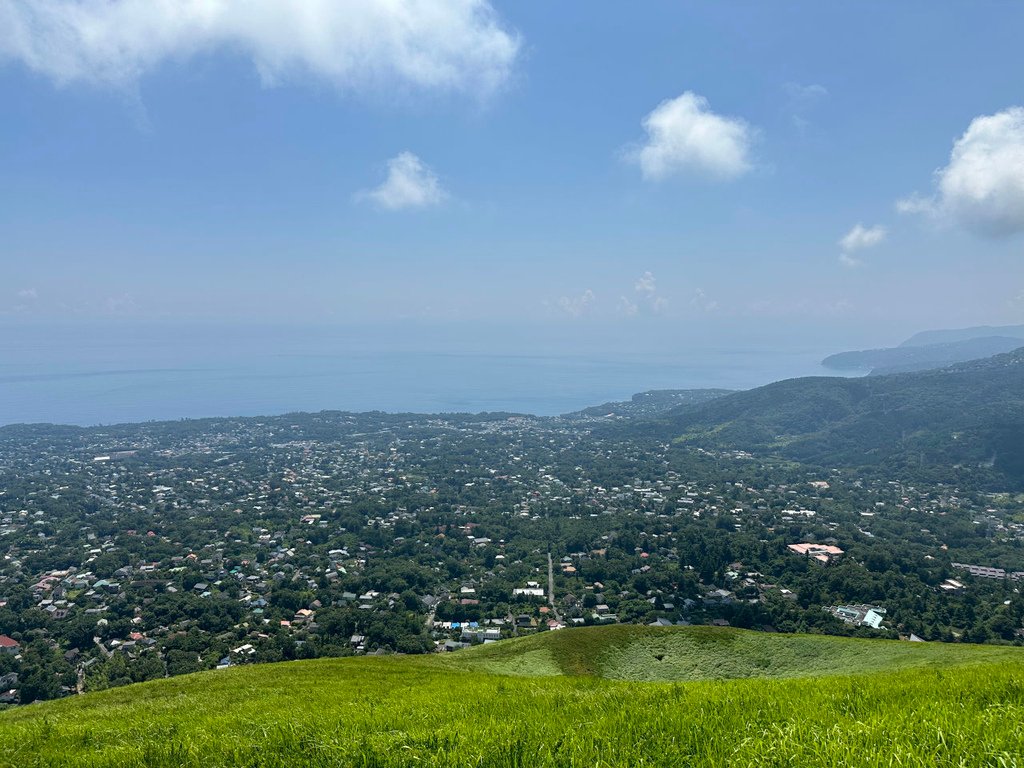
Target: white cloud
646,284
575,306
915,204
647,300
410,184
982,187
450,45
685,137
861,237
28,293
857,239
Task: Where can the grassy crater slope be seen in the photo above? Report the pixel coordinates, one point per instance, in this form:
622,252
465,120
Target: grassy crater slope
689,654
546,701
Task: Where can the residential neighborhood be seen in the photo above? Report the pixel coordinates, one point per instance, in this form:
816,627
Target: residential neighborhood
165,548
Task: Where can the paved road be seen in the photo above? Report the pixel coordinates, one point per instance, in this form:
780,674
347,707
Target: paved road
551,587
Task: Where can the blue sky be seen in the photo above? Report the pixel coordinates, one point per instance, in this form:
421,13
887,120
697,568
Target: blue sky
678,169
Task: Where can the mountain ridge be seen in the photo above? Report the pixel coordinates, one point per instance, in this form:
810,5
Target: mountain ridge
944,336
966,413
905,359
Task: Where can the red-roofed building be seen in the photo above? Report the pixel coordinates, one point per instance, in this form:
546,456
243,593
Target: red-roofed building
9,644
820,552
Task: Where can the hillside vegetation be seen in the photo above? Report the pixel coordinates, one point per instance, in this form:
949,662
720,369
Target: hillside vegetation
651,403
507,705
970,413
920,358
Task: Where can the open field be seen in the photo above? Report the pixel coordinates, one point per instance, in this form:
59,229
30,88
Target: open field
545,701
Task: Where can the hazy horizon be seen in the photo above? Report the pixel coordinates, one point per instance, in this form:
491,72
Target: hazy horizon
500,179
103,374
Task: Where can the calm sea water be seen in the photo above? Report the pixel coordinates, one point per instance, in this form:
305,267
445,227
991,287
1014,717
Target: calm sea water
111,375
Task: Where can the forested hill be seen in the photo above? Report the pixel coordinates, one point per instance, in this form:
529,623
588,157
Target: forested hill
969,413
651,403
905,359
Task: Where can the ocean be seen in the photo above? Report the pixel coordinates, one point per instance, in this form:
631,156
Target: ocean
113,374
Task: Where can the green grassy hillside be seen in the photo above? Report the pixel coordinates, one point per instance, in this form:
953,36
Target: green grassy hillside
545,701
678,654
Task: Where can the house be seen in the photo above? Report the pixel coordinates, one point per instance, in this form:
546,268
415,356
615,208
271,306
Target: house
9,645
823,553
981,571
951,585
719,596
473,633
859,615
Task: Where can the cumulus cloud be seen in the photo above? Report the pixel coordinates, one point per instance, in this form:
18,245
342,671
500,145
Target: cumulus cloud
684,137
646,298
575,306
857,239
410,184
450,45
646,284
861,237
982,186
28,293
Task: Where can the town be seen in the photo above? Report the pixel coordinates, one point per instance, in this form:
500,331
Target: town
163,548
